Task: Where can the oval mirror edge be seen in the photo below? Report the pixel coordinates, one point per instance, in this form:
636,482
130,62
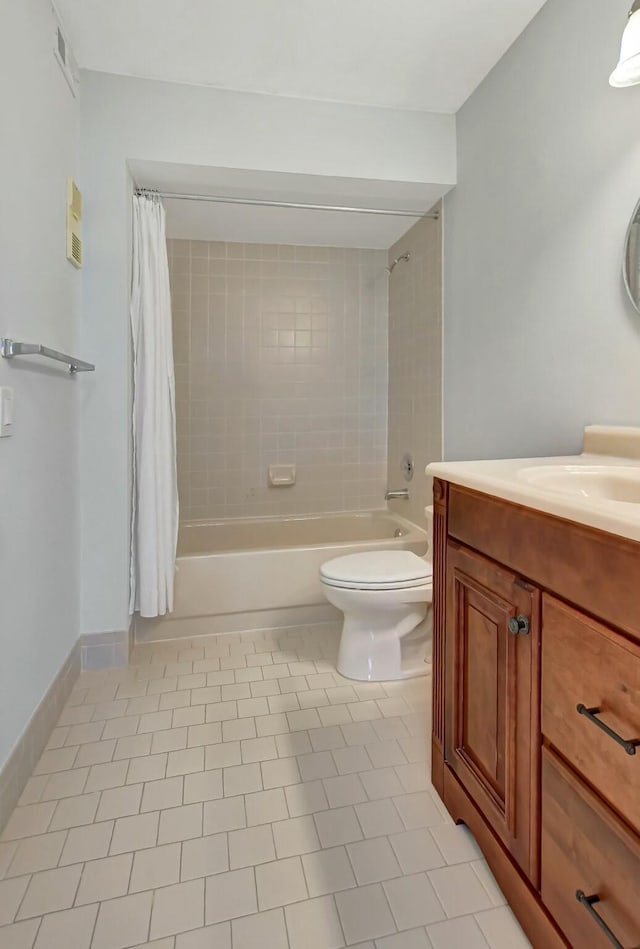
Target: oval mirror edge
635,219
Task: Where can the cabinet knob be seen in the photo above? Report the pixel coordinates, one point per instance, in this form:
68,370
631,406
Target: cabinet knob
519,625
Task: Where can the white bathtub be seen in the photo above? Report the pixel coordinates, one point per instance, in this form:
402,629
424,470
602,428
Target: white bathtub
264,572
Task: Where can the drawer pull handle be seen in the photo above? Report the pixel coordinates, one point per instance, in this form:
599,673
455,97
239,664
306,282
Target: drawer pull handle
629,744
587,902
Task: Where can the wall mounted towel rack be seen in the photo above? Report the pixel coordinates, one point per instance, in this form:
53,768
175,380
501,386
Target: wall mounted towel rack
10,348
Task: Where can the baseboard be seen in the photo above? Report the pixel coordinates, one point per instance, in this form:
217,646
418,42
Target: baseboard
24,757
106,650
190,627
99,651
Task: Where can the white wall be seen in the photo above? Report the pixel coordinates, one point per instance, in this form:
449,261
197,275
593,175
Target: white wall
539,337
141,120
38,289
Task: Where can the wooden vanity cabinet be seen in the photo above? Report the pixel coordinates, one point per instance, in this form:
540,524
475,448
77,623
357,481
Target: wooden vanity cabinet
536,711
492,676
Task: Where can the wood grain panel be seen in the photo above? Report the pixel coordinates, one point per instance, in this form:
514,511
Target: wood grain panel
585,847
492,711
595,570
585,662
440,529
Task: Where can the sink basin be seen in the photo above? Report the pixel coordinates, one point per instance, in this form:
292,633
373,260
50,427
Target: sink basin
620,484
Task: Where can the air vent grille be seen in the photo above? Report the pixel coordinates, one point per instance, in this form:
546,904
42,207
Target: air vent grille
76,250
74,200
63,52
74,224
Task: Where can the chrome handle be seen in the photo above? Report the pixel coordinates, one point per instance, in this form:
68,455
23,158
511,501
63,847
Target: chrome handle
519,625
587,902
629,744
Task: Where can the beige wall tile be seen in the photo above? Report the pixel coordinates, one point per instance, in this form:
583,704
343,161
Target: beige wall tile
281,357
49,891
104,879
123,922
415,363
72,927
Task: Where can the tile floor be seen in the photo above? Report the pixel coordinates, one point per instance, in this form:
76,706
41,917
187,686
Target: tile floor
237,792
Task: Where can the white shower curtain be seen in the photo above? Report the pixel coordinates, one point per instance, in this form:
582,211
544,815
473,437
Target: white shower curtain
154,522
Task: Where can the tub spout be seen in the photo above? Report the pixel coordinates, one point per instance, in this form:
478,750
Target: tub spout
402,494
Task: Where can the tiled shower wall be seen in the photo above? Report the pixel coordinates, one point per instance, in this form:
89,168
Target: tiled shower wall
281,357
415,363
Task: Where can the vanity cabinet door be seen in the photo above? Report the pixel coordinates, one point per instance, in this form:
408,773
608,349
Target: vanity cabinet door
492,730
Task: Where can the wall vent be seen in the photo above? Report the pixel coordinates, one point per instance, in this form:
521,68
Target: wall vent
64,54
74,219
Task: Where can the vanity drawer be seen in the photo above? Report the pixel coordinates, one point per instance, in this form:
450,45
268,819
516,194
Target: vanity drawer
586,849
588,665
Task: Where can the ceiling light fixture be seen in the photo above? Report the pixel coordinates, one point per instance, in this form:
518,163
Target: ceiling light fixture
627,72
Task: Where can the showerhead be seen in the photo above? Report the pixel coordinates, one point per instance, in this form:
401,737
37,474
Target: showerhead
393,266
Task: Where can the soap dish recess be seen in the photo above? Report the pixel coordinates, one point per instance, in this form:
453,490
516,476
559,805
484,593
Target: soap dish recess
282,476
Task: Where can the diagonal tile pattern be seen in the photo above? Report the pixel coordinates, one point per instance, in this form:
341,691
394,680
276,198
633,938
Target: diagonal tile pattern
236,792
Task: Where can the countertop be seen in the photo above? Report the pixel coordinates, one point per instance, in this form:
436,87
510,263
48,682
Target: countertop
502,479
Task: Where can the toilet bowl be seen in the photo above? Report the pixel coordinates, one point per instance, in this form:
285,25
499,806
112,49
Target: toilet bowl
384,595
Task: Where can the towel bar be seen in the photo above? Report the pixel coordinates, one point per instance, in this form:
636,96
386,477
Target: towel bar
10,348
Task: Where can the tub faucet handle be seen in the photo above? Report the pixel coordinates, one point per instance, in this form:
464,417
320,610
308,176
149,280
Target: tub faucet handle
402,494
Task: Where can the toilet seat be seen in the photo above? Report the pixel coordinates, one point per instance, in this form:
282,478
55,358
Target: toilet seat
377,570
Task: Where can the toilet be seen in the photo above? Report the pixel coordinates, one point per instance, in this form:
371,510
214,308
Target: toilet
385,596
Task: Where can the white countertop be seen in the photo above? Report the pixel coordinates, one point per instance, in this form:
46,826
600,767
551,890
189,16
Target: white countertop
503,479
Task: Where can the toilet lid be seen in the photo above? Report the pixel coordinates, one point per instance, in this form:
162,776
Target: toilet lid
377,570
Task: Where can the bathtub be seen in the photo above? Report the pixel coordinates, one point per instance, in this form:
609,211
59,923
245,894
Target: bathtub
261,573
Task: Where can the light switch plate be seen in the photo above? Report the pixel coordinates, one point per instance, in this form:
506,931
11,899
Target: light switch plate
6,411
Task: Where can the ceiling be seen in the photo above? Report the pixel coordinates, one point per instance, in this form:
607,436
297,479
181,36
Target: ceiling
406,54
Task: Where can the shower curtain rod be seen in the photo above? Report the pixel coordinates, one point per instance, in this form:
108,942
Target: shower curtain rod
264,203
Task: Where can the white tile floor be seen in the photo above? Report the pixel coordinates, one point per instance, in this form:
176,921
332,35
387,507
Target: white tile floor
237,792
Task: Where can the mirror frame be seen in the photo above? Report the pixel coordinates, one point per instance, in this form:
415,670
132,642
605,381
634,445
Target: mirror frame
635,218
